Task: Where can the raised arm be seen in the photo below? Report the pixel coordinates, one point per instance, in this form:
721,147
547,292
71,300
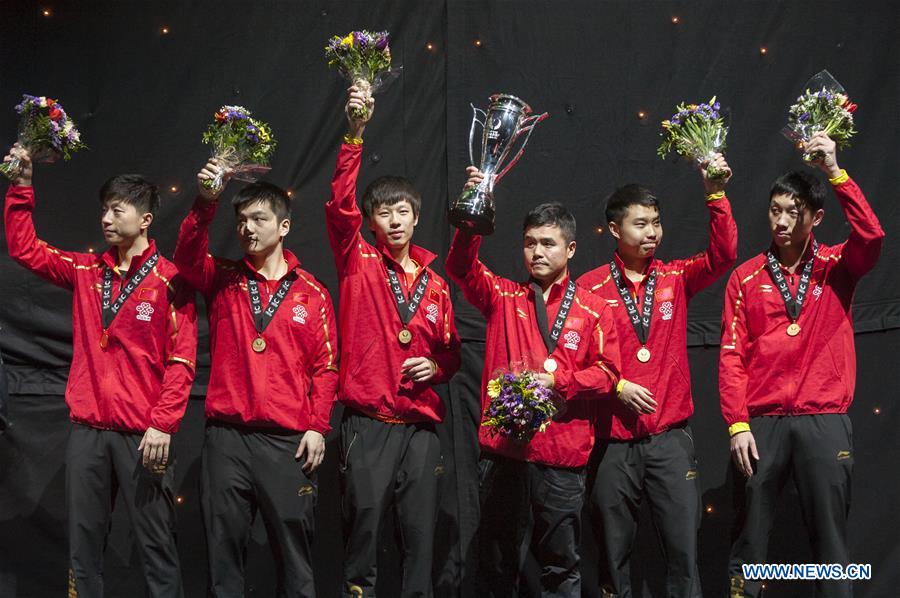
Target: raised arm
192,257
342,215
51,264
703,269
863,247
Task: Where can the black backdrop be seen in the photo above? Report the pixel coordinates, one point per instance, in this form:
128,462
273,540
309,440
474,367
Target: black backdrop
142,98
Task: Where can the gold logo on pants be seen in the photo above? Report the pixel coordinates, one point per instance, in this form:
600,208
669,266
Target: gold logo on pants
691,474
305,491
843,455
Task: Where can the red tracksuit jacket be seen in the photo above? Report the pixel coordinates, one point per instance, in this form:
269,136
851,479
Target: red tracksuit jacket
143,378
666,375
587,354
762,370
371,354
293,383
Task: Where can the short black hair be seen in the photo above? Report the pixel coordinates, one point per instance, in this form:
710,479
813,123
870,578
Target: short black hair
266,193
132,189
389,190
624,197
807,190
551,214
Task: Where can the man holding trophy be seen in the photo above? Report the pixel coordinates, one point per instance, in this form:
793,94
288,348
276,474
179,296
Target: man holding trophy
398,340
644,443
272,385
134,346
532,491
787,367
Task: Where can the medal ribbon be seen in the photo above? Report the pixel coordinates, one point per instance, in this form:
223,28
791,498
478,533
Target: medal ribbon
793,305
262,317
407,309
551,336
110,308
640,320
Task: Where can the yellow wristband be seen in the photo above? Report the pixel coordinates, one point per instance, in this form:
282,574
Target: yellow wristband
715,196
351,140
841,178
738,427
620,386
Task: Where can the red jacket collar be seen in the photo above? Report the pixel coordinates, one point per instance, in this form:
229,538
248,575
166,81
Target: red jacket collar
293,263
807,253
110,257
557,290
621,265
421,256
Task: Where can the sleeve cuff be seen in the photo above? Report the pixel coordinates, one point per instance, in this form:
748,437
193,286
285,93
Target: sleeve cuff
738,427
840,179
620,386
714,196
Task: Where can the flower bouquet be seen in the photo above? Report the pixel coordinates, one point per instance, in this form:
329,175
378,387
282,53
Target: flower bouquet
363,57
520,406
239,143
823,107
46,131
695,132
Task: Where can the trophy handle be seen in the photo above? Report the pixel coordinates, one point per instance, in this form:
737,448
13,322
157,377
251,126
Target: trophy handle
475,120
529,124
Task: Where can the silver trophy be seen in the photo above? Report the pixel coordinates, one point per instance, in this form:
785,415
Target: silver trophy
504,122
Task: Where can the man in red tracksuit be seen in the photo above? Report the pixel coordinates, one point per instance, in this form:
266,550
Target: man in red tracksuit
134,345
532,493
787,367
273,382
644,442
398,339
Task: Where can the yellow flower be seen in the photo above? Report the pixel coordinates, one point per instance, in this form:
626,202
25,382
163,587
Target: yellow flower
348,41
692,106
666,124
493,388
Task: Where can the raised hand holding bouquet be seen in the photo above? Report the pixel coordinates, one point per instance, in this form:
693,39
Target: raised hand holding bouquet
46,131
696,132
240,143
823,108
520,406
364,58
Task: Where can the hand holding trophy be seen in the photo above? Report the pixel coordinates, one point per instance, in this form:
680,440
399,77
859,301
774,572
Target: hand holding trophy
505,121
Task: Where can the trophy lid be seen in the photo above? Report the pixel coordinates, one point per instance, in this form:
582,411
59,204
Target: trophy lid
498,100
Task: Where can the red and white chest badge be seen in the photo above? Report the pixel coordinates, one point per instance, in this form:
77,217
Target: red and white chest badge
817,291
666,309
144,311
300,314
572,339
431,312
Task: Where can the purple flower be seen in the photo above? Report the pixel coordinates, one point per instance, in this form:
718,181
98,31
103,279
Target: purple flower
382,41
360,39
804,117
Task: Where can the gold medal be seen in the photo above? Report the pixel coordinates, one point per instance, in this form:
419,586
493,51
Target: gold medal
405,336
550,365
104,340
793,329
643,355
259,344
